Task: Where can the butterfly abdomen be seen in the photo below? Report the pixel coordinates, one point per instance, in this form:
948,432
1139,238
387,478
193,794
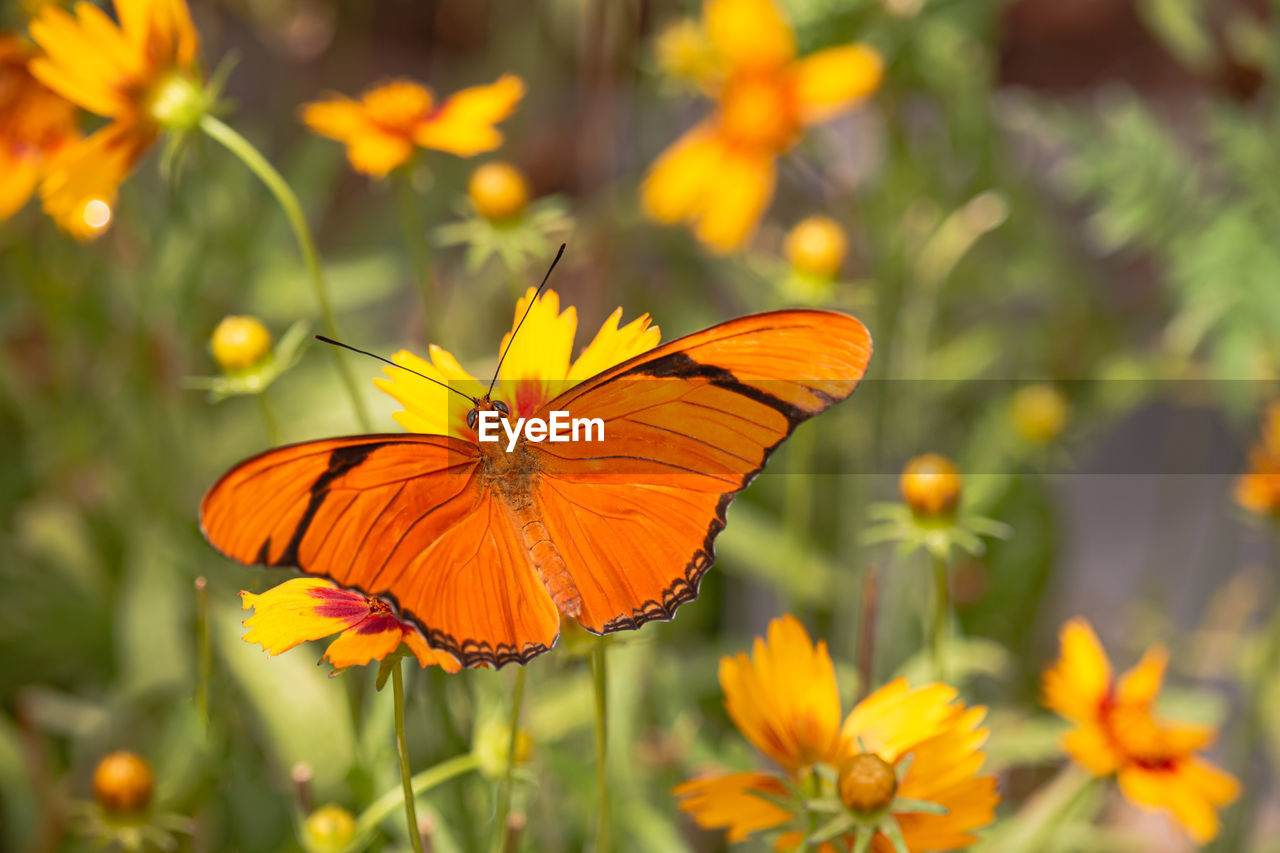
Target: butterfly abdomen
546,560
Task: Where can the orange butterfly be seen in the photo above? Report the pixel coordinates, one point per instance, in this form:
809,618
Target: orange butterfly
483,548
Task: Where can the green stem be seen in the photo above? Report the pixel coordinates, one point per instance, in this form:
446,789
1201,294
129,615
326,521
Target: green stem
1041,818
251,157
504,789
813,787
205,658
402,749
414,230
600,676
269,418
378,811
941,615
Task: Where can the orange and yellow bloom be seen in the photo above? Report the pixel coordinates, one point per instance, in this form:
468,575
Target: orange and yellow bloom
312,608
1118,733
1259,489
904,762
35,124
382,129
139,73
719,177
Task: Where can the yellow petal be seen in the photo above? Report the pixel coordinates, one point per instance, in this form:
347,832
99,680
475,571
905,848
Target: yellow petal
741,189
464,123
832,80
1141,684
356,647
895,718
749,33
1187,791
299,610
730,802
337,118
375,152
18,178
1077,684
428,656
91,171
161,26
1093,749
428,407
613,345
681,177
76,67
535,367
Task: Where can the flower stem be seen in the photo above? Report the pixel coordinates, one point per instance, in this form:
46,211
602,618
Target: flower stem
402,749
269,418
414,230
941,615
504,789
202,639
252,158
600,675
424,781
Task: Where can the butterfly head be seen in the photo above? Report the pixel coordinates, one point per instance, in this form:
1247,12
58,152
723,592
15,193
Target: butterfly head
484,404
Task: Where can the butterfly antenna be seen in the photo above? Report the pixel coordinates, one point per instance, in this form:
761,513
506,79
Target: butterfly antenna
511,340
393,364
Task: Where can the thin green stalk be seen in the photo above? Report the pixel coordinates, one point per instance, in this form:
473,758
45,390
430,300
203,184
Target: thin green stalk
269,418
941,615
251,157
504,788
378,811
202,639
402,749
813,787
413,227
600,676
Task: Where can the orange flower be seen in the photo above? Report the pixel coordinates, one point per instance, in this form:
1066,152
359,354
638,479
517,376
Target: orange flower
720,175
311,608
898,748
1118,733
35,124
1259,490
140,74
381,129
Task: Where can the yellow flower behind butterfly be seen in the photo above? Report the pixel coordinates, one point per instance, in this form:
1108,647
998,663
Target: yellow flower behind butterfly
539,366
719,177
1118,733
383,127
35,124
140,73
905,761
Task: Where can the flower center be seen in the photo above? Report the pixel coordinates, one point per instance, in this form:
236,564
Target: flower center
377,607
1136,733
868,783
176,103
758,109
397,106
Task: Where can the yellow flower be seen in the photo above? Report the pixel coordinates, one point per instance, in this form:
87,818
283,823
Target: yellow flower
123,782
381,129
239,342
1039,412
35,124
816,246
1117,732
312,608
328,829
899,743
931,484
720,176
537,369
140,74
1259,490
498,191
683,51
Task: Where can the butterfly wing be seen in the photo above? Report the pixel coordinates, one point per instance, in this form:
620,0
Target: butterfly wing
398,516
686,427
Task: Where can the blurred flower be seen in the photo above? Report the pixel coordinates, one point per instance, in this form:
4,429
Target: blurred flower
537,368
902,767
498,190
1259,490
720,176
122,783
492,744
328,829
930,484
239,342
312,608
1117,732
1039,413
140,74
816,247
381,129
35,124
684,52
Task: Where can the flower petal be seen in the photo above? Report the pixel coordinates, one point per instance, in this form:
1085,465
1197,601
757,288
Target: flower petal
428,656
464,123
742,188
613,345
730,802
18,179
832,80
91,170
299,610
1141,684
893,719
681,177
367,642
78,67
428,407
1189,791
535,367
749,33
1093,748
338,117
1081,679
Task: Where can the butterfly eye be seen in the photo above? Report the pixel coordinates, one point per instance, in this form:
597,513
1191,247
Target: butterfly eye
471,418
501,407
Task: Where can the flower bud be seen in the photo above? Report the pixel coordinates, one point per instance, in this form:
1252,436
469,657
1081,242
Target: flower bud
239,343
177,103
816,246
1039,412
867,783
122,783
930,485
491,748
498,191
328,829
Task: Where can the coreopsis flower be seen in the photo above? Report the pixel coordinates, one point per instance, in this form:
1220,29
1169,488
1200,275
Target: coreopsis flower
328,829
123,783
1259,490
930,484
816,246
382,129
1039,413
140,73
498,191
313,608
538,367
1117,732
35,124
901,771
719,177
239,342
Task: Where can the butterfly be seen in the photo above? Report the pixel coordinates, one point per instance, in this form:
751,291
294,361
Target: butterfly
485,545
